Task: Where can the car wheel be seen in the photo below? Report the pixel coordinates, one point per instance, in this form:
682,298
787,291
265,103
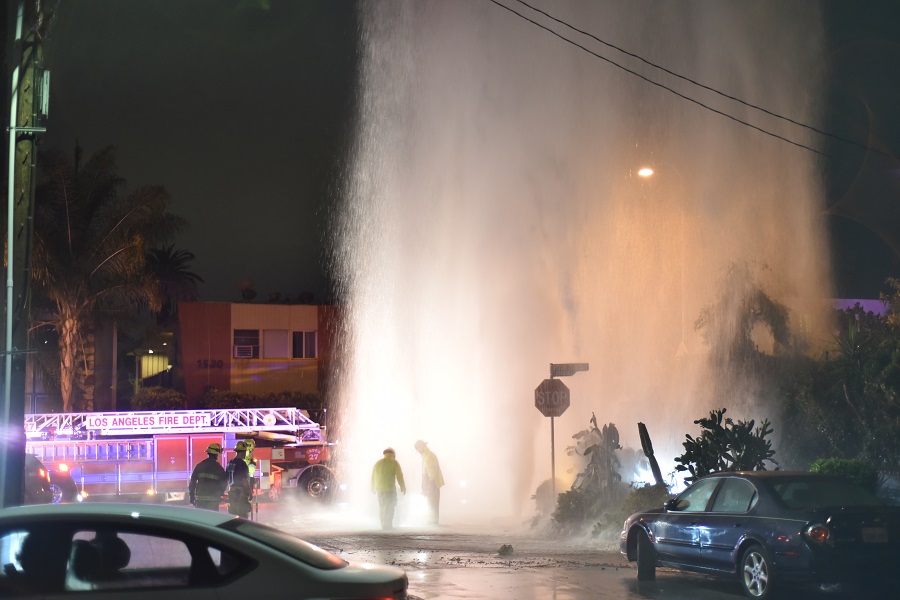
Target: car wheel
57,493
646,562
755,572
63,489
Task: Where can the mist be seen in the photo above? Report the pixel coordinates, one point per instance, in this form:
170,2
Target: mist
495,222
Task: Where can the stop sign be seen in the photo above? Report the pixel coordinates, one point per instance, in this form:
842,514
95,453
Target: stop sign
551,397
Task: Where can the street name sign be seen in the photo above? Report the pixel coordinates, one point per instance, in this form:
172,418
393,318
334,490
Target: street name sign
567,369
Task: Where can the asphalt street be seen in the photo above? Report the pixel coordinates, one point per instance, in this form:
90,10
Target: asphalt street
460,560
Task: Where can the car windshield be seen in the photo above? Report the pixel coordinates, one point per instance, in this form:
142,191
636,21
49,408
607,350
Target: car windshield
284,542
820,492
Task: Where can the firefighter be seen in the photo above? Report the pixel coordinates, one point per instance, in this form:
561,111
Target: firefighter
384,474
251,466
208,480
432,480
239,488
248,457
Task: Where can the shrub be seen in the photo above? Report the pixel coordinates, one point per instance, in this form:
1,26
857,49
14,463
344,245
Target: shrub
572,508
644,498
857,471
724,445
157,398
312,403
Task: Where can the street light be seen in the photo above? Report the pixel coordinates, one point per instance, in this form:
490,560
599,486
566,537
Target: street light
646,173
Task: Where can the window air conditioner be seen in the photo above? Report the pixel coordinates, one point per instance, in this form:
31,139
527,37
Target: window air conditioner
243,351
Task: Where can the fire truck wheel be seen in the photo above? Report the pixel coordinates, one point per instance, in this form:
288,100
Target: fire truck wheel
316,484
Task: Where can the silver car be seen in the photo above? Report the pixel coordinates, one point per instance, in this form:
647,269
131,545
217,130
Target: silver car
124,551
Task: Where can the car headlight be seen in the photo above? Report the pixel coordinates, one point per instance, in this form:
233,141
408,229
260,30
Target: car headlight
817,534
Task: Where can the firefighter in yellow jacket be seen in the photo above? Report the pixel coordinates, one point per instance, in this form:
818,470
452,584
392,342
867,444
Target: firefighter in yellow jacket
432,480
386,475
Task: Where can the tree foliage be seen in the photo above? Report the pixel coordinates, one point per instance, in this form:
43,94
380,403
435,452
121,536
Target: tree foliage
847,403
596,489
724,445
177,283
857,471
728,324
91,239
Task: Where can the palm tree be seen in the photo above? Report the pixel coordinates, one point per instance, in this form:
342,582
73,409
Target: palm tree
90,245
177,282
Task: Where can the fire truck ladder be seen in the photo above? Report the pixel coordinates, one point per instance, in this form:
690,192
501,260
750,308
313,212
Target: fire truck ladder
289,420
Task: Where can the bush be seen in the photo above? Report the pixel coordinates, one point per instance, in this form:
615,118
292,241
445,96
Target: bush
572,509
644,498
312,403
231,399
858,471
724,445
157,398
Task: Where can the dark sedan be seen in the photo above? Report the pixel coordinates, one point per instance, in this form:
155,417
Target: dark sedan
767,528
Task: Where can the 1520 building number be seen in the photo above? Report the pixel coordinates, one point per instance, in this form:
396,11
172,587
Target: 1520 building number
209,364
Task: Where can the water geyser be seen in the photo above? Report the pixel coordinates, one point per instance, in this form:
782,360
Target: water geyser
494,223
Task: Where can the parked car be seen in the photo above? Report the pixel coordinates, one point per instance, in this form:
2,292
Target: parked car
36,481
768,528
147,551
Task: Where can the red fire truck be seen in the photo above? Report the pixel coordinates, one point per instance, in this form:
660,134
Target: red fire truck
151,454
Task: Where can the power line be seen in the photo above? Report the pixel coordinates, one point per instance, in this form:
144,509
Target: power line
664,87
701,85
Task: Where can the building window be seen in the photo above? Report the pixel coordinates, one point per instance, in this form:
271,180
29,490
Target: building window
246,343
275,343
304,344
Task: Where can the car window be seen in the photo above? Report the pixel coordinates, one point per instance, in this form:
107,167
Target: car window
109,559
696,497
735,496
820,492
34,559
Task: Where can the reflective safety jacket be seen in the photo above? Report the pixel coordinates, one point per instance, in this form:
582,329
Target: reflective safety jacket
238,477
385,473
431,470
207,481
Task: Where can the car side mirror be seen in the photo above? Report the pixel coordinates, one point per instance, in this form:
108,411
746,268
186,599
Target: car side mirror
670,504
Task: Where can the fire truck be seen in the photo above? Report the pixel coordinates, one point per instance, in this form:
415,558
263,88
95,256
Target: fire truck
149,455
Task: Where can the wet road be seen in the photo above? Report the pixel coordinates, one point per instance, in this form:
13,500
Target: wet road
463,561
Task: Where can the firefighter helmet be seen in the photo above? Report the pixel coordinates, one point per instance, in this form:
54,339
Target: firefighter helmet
240,447
251,445
214,448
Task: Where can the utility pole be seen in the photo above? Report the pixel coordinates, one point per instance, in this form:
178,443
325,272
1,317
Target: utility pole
28,94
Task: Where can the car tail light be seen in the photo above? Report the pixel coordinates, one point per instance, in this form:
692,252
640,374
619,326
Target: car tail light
43,474
817,534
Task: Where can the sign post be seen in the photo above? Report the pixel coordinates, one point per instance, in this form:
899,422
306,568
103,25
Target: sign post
551,397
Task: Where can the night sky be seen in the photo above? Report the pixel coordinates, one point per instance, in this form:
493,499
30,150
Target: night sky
241,113
244,110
